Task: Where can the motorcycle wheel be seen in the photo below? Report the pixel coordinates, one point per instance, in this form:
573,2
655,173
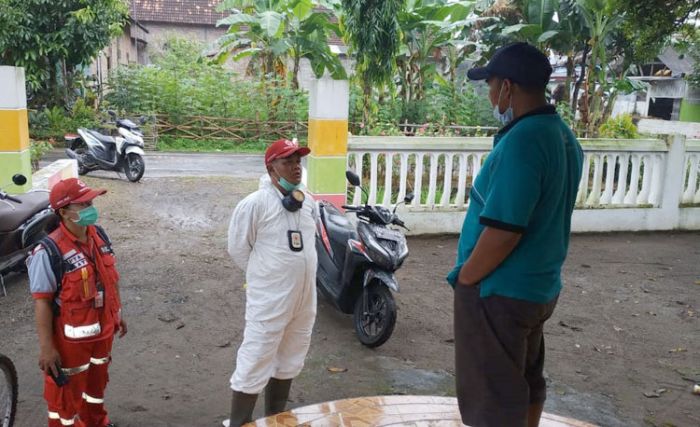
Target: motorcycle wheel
80,151
134,167
375,323
8,392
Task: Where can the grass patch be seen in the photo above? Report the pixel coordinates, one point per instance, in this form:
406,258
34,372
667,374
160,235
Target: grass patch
211,146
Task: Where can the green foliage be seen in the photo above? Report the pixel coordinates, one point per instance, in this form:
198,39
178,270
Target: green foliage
604,38
371,29
688,43
37,150
167,143
180,83
619,127
270,32
373,32
650,24
443,105
55,122
50,39
567,114
459,105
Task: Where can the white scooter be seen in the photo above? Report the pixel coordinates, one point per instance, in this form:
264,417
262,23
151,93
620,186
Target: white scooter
95,151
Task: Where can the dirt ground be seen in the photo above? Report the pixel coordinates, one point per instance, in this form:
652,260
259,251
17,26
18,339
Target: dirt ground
627,321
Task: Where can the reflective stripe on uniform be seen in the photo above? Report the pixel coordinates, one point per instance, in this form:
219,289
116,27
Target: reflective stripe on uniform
76,370
93,400
100,361
54,416
78,332
66,422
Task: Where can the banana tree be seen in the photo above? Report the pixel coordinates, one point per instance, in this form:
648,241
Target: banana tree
539,25
371,29
271,32
428,32
601,21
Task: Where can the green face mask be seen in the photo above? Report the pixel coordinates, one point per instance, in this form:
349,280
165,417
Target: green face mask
288,186
88,216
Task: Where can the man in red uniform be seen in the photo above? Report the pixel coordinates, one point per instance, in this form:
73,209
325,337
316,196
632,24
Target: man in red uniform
74,283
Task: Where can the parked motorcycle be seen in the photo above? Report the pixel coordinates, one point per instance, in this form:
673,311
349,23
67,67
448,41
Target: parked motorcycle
24,219
95,151
8,392
356,265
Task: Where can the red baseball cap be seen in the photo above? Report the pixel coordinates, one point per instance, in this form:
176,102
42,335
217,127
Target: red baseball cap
283,148
72,190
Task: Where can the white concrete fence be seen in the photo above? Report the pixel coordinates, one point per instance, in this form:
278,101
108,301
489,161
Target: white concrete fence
627,185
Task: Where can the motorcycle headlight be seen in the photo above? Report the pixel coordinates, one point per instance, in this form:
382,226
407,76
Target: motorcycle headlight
402,251
375,250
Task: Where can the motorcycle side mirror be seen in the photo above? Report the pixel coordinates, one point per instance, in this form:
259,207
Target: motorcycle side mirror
112,113
19,179
409,198
353,178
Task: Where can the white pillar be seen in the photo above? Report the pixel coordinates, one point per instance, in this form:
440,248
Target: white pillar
673,183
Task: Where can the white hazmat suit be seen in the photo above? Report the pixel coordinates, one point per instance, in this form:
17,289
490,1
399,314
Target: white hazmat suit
281,291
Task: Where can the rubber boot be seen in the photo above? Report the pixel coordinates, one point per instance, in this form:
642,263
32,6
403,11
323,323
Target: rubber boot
242,406
276,394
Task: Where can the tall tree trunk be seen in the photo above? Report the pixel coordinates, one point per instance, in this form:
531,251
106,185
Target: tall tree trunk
570,74
52,90
67,83
295,73
594,89
366,95
582,77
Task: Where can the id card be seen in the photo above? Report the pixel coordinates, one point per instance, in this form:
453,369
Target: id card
296,243
100,299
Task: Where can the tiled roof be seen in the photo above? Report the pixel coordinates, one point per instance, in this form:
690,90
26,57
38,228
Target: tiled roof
197,12
201,12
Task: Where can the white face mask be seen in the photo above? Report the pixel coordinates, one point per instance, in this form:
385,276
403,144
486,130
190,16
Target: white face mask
507,116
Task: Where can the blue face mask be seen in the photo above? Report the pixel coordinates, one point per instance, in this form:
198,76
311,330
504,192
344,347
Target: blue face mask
507,116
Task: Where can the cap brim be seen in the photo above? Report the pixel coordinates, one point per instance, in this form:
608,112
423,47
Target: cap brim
478,73
302,151
90,195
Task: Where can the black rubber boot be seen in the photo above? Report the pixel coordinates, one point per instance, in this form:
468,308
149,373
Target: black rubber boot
242,406
276,394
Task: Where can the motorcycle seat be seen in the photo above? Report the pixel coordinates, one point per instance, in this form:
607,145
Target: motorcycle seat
103,138
127,124
32,203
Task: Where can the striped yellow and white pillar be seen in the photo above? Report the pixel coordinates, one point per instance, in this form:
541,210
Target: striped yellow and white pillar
328,139
14,130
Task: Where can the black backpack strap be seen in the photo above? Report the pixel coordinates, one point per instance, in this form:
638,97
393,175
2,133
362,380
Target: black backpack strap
103,235
58,266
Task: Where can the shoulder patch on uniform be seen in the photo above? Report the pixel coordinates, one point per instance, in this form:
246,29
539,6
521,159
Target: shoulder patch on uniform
69,254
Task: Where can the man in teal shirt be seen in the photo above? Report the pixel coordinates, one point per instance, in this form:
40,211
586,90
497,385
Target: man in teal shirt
513,244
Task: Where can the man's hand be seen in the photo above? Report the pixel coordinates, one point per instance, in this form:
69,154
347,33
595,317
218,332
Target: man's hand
491,250
50,360
462,279
122,328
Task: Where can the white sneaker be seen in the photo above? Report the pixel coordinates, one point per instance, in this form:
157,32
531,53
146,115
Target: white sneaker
226,423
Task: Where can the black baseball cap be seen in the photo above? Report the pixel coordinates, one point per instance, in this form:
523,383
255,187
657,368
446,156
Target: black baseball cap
520,62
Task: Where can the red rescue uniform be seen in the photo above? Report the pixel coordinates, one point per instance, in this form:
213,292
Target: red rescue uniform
83,329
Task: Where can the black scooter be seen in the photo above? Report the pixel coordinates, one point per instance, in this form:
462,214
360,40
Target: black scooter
24,220
356,265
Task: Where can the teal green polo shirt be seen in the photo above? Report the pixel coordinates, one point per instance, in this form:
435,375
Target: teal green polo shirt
528,184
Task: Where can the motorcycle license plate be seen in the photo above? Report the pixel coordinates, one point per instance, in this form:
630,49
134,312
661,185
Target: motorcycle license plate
388,234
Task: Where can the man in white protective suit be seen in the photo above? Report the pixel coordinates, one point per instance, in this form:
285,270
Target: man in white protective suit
272,238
